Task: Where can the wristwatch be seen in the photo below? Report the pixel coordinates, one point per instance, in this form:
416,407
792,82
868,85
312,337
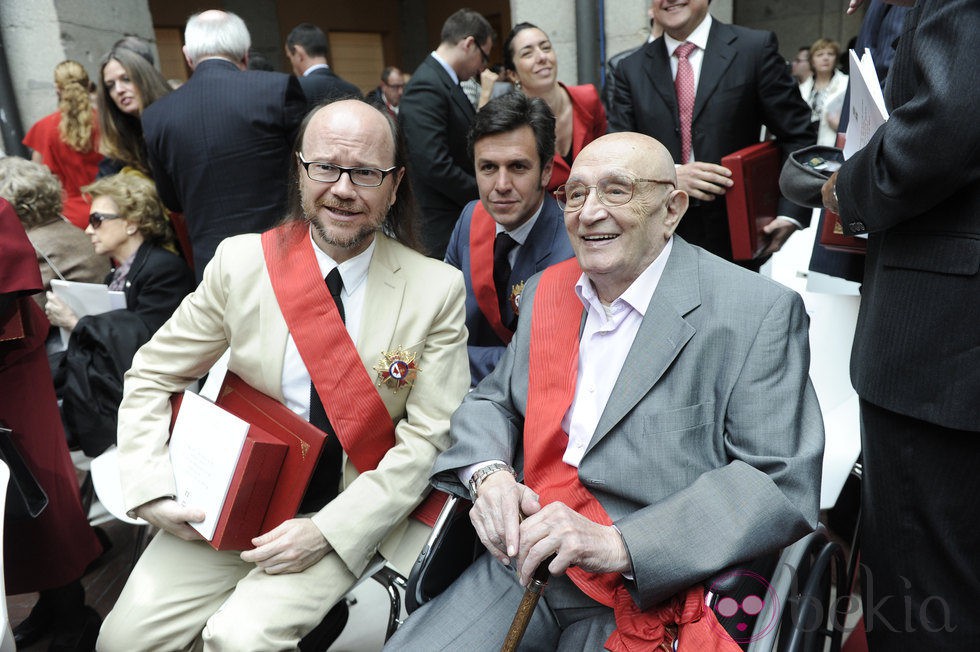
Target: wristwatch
484,472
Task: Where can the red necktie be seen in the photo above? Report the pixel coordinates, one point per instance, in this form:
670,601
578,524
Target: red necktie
684,87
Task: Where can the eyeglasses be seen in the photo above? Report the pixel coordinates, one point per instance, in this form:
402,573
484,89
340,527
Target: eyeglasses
611,191
330,173
483,53
96,219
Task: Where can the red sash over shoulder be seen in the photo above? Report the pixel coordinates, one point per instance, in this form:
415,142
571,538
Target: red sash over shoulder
483,231
555,325
350,398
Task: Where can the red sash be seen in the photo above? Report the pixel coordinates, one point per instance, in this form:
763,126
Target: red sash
483,231
354,407
555,325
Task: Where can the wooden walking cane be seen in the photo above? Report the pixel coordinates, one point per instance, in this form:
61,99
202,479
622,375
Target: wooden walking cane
524,611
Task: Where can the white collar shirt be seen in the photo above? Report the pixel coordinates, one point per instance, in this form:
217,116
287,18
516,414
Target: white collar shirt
354,271
698,37
603,348
520,234
315,66
445,65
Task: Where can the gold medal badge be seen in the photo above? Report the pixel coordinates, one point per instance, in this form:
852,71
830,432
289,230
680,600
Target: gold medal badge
397,369
515,297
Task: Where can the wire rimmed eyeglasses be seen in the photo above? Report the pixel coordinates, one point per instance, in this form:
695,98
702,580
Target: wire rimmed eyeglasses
325,172
611,191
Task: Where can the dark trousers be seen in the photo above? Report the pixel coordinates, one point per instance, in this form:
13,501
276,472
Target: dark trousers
920,533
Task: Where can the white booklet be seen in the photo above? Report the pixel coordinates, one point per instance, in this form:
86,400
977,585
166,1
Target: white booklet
204,449
867,109
87,299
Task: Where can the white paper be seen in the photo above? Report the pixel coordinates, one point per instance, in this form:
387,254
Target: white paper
204,450
867,109
86,299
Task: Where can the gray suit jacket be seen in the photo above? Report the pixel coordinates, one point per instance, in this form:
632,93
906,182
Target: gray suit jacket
915,189
709,450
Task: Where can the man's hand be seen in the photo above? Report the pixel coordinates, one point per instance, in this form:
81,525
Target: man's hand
827,193
496,514
291,547
703,181
575,540
58,312
167,514
779,231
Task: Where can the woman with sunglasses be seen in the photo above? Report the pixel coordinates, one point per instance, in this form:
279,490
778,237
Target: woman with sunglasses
531,64
126,223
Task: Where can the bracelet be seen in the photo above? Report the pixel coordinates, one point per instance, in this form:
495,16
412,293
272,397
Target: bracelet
484,472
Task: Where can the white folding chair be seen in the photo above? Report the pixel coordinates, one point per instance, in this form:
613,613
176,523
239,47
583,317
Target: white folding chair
6,635
104,471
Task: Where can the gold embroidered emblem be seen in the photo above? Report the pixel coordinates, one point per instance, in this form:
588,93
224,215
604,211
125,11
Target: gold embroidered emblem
515,297
397,369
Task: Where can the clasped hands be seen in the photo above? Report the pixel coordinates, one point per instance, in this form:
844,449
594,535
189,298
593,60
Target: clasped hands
291,547
555,528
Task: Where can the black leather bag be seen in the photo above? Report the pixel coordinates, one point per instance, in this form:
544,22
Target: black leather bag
25,497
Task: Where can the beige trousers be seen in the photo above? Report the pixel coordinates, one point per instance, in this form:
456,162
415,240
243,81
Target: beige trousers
185,595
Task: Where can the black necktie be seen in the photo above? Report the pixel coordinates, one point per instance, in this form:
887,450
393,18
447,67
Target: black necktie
502,246
325,481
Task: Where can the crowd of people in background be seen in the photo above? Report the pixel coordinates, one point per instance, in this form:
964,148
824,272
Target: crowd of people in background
155,188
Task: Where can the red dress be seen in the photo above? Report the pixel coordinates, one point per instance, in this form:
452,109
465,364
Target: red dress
53,549
73,169
588,123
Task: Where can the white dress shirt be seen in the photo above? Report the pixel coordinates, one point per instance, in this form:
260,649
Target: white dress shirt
519,234
603,347
295,377
698,37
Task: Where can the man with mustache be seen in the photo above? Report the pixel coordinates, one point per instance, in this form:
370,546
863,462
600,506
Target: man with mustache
652,421
375,356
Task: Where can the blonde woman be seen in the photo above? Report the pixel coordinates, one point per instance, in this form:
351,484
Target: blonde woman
67,141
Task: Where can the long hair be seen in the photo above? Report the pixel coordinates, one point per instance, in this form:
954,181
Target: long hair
75,105
122,134
400,222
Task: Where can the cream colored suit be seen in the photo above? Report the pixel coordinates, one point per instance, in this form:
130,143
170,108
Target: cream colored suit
411,301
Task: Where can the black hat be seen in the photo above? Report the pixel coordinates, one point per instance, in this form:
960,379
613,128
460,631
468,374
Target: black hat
805,172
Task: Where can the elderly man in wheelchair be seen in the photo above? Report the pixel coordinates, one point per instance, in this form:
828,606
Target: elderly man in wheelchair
650,426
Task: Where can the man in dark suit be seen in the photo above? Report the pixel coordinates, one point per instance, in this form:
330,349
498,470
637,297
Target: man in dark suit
388,95
307,51
915,190
731,81
652,419
220,145
436,116
515,229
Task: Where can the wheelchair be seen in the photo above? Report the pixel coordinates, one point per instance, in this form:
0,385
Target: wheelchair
779,603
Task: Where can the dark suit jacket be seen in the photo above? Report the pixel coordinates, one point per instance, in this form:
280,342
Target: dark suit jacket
744,84
220,149
546,244
435,117
709,449
323,85
155,285
915,188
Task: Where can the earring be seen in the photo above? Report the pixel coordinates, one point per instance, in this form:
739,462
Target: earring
517,84
131,231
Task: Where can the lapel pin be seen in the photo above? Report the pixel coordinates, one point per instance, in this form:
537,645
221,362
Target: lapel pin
397,369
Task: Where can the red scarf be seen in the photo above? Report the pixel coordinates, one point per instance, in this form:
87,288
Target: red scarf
555,325
483,231
353,405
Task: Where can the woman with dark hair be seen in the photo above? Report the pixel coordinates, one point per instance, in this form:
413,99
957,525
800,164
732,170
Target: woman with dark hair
128,83
127,224
824,90
67,141
531,64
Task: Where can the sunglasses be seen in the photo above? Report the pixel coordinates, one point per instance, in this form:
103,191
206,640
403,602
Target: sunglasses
96,219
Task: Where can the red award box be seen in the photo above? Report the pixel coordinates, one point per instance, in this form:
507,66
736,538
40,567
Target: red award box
753,199
274,469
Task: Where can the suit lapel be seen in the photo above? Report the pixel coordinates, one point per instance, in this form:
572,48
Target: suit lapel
454,90
663,334
380,313
662,80
718,56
